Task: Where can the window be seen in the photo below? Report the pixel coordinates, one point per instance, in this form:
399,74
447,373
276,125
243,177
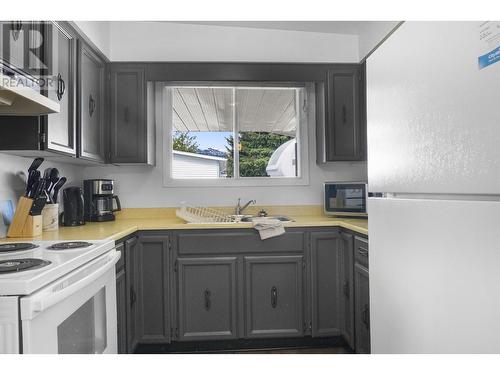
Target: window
235,133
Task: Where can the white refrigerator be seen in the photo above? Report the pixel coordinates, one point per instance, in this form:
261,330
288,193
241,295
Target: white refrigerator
434,151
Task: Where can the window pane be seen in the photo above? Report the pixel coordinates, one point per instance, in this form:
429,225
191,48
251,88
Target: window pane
267,125
202,125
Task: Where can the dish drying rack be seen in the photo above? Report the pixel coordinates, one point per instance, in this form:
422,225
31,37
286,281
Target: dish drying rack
202,215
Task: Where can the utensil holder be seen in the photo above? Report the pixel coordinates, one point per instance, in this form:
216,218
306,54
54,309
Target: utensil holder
23,224
50,217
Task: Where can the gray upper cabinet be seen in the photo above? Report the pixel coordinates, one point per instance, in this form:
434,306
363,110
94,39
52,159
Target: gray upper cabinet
207,305
132,130
60,58
274,296
326,284
153,320
341,133
91,104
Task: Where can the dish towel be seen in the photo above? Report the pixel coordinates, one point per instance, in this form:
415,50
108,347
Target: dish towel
268,228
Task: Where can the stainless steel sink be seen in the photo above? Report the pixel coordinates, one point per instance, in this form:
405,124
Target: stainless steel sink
276,217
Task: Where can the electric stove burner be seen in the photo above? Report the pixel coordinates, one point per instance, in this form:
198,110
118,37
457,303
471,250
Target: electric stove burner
16,246
19,265
69,245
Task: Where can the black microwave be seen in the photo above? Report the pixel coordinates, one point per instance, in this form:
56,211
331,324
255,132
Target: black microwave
345,198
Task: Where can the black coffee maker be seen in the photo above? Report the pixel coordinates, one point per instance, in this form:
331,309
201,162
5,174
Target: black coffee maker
99,199
73,214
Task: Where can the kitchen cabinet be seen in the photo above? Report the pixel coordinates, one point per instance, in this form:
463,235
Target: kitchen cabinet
21,49
152,283
341,127
347,294
327,283
207,298
121,300
131,286
90,104
60,58
274,296
362,297
131,118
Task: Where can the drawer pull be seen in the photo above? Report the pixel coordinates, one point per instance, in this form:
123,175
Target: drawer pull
362,251
274,297
208,303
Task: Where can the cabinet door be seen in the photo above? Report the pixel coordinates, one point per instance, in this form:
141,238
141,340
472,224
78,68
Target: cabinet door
347,295
129,131
207,298
121,311
273,296
327,282
153,289
61,62
131,285
362,309
344,115
91,105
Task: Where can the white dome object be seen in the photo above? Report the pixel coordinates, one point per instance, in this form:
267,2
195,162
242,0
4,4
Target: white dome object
283,161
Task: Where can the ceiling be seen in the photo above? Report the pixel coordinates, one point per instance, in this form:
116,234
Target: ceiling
329,27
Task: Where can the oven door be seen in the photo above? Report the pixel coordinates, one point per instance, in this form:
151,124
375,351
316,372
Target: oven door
76,314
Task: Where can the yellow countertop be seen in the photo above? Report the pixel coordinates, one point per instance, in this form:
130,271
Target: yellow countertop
157,219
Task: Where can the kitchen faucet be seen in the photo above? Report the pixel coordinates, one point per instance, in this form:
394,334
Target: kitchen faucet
238,210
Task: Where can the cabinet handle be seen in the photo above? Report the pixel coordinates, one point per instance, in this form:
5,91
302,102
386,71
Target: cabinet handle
362,251
208,303
366,317
274,297
133,296
61,87
344,114
91,105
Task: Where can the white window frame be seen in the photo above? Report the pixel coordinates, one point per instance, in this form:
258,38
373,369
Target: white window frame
164,103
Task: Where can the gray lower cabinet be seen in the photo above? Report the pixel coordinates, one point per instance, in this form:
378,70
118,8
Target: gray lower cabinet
362,309
347,295
362,296
274,296
153,307
207,298
131,288
121,311
326,283
90,104
131,135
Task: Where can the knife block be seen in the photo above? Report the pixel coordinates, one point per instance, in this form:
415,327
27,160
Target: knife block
23,224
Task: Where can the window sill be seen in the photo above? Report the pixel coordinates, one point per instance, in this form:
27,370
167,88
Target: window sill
240,182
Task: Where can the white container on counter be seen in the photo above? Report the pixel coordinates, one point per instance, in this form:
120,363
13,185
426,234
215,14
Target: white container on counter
50,217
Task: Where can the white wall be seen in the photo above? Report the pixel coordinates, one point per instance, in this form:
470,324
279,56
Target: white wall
163,41
12,182
98,32
143,186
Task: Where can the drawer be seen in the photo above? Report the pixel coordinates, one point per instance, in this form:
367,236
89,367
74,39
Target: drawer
120,247
237,242
361,251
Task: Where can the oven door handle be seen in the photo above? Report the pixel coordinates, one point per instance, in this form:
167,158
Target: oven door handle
65,287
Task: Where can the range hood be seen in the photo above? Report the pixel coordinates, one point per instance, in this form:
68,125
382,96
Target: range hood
21,100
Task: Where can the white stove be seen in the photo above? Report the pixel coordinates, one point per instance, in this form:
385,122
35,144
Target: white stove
58,297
